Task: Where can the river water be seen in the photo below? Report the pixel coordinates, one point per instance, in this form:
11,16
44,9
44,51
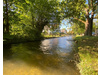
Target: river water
46,57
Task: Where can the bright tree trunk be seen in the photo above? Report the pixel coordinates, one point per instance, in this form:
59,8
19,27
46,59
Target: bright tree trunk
86,28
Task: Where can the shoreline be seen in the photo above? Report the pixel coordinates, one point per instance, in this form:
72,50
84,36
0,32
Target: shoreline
24,41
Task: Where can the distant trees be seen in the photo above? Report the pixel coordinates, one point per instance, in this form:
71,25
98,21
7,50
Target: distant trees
63,31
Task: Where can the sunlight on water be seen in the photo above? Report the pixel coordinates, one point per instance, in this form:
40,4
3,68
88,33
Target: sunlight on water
47,57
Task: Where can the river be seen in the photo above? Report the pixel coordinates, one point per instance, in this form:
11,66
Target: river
46,57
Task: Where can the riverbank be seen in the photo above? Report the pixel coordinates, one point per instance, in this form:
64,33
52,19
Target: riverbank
10,39
88,53
19,40
53,36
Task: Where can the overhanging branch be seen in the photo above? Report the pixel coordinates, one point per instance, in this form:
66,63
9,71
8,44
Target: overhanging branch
79,20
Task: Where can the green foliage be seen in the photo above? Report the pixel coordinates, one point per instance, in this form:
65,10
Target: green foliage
79,11
8,37
28,17
78,29
88,52
95,26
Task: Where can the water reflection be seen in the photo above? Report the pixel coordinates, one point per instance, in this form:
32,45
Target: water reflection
59,46
48,57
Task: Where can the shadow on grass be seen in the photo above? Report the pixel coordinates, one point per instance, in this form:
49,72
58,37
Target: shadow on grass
88,52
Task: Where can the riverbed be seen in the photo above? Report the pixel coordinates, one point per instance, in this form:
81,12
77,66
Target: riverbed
45,57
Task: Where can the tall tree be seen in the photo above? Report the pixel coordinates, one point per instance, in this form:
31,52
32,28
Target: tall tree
83,11
6,25
7,14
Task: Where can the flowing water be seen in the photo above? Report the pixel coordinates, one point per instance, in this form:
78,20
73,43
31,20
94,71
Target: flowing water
46,57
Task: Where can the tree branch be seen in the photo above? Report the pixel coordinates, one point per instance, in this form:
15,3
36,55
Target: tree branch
80,20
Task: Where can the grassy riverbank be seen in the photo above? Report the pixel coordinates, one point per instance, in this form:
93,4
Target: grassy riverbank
88,52
53,36
11,39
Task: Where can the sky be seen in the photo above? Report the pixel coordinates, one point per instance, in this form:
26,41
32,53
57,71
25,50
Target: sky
65,24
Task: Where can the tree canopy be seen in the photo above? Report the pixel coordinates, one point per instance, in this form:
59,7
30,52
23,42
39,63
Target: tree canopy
27,18
83,11
24,17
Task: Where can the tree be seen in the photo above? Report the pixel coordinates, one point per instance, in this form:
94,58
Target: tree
8,14
83,11
27,18
39,12
6,25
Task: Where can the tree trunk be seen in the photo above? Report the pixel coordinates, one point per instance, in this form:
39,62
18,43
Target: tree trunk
86,27
3,25
90,27
40,25
91,20
87,23
7,22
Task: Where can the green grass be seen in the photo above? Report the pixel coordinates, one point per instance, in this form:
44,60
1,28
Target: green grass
51,36
88,52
